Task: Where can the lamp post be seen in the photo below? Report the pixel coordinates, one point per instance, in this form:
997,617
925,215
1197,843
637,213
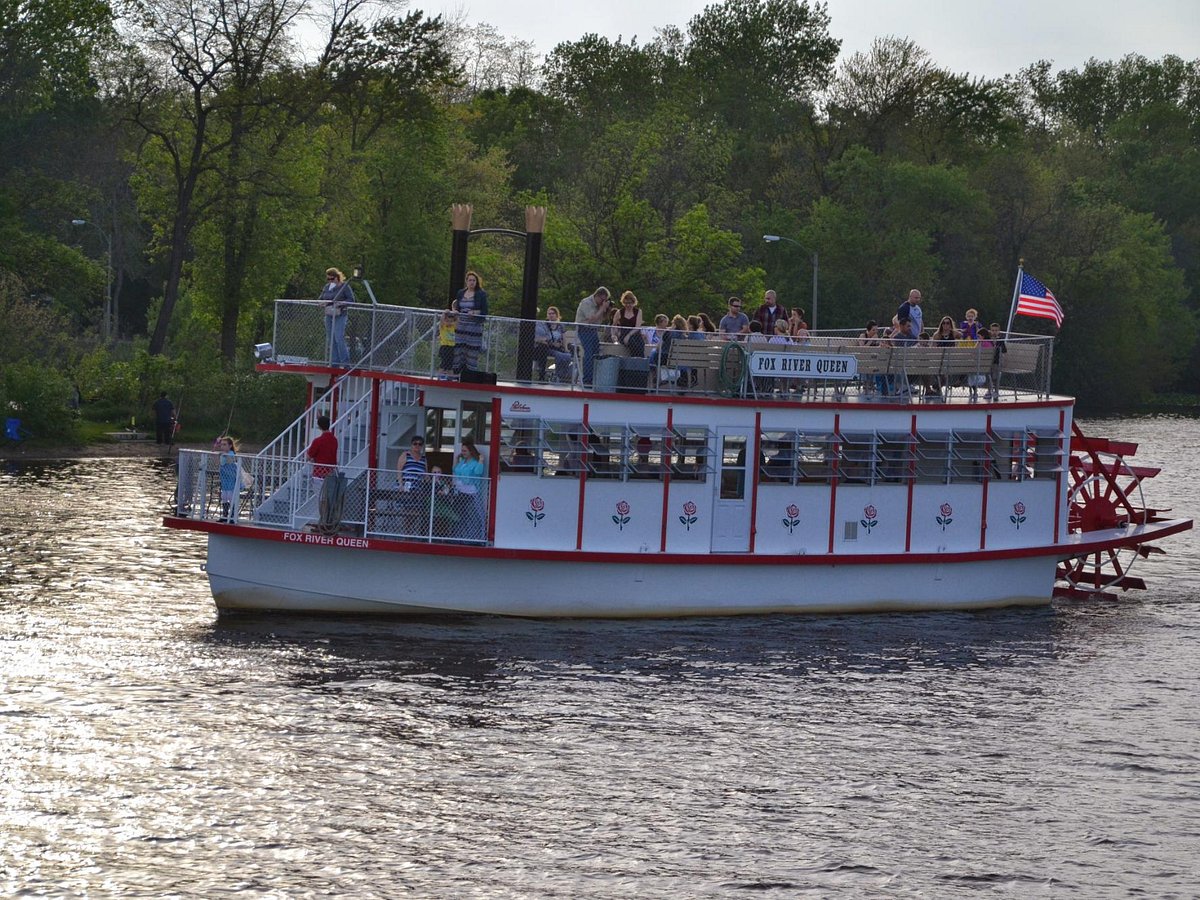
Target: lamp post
110,308
774,239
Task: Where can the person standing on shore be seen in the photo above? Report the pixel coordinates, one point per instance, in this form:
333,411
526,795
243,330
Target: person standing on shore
164,419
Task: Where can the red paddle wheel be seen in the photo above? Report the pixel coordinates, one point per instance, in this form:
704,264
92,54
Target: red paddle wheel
1105,494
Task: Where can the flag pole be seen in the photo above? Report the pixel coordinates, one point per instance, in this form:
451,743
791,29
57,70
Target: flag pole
1012,309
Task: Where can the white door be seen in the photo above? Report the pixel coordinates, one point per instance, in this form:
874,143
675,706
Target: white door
731,505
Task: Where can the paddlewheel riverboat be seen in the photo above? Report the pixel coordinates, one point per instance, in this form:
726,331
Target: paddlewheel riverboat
709,477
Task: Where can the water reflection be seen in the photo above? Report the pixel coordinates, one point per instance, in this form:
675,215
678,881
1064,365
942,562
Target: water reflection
152,748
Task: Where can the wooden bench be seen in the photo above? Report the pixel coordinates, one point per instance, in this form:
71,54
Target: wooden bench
701,357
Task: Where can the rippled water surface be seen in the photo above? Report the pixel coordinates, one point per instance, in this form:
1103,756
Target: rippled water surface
149,749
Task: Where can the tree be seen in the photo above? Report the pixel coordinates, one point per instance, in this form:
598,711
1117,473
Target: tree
212,71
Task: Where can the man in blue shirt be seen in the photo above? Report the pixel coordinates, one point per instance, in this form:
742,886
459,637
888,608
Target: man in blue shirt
735,321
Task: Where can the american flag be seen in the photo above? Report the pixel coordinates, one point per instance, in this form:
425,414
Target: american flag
1036,300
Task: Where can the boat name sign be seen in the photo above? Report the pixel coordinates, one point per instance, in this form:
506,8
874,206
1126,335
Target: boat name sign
327,540
802,365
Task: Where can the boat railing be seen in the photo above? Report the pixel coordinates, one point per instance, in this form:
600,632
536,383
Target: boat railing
603,358
274,492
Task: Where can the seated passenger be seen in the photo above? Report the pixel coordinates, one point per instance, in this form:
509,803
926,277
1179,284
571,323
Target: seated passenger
627,325
522,459
549,342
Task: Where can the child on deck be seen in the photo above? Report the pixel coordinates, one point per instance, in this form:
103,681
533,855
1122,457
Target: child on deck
446,329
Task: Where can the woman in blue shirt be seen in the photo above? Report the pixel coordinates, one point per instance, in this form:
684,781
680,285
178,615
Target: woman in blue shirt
468,480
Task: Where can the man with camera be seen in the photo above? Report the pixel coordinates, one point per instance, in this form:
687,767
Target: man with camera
594,310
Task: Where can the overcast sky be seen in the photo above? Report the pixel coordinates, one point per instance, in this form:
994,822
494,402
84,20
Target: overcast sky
982,37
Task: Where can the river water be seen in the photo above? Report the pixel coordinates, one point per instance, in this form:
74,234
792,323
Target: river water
148,748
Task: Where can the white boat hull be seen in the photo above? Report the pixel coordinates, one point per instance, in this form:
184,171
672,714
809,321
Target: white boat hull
249,574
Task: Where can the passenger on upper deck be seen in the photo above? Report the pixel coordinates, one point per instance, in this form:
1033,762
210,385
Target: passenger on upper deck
902,333
735,322
627,325
910,311
797,326
550,341
471,303
593,311
447,325
770,313
945,336
337,295
970,326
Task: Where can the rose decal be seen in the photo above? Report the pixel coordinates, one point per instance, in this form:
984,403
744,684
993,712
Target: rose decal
870,518
793,517
621,519
688,519
535,514
946,512
1018,515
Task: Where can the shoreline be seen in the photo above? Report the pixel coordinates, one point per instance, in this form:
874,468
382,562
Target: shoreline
113,450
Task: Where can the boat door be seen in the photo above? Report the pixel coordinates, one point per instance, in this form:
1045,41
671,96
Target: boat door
731,506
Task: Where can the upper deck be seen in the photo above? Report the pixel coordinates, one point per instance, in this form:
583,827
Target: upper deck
829,366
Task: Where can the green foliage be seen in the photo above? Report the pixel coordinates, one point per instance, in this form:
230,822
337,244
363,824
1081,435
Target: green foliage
661,165
893,225
40,398
47,47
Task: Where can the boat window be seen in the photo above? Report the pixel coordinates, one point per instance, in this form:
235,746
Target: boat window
476,422
690,460
644,460
814,456
606,451
520,441
856,457
1009,451
970,456
896,455
778,462
933,453
561,449
1046,452
733,467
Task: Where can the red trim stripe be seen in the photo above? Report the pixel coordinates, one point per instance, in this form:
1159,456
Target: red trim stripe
494,468
754,463
912,481
1067,550
833,481
986,482
1062,463
668,446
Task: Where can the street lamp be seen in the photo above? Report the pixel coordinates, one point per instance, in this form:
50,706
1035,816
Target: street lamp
774,239
110,307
